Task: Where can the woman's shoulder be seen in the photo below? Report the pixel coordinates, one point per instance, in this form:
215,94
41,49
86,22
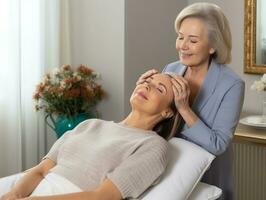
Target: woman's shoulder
157,142
224,79
228,75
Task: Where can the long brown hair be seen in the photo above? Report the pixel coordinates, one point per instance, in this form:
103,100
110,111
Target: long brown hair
167,127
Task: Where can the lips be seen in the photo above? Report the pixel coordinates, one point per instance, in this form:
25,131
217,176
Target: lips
141,94
184,55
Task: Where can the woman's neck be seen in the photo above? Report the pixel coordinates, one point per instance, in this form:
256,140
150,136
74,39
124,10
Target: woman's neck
195,76
141,120
197,71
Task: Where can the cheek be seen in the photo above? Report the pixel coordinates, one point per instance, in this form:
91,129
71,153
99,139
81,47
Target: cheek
177,45
200,52
203,52
196,48
160,103
202,48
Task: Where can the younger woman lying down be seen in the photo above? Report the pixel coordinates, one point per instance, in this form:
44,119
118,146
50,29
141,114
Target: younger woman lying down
108,160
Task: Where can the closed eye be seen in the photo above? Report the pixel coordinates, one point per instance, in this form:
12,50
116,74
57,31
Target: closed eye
180,36
160,90
160,87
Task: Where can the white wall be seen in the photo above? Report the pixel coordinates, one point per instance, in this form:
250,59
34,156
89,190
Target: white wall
97,34
149,38
234,10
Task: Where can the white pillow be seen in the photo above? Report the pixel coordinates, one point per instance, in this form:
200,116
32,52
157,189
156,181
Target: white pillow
204,191
187,164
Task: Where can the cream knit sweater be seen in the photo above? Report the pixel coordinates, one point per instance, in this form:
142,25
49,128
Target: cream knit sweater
133,159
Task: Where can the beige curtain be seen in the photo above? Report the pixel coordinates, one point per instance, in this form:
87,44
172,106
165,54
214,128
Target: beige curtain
34,37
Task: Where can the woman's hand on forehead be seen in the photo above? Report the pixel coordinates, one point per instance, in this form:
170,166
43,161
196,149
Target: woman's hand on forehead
146,75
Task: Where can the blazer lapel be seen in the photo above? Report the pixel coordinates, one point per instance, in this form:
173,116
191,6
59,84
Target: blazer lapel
207,88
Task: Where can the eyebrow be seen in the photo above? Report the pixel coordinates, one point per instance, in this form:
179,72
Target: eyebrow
196,36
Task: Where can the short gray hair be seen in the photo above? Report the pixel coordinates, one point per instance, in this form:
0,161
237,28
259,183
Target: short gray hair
219,33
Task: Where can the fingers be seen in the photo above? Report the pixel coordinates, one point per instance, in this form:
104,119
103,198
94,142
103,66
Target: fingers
149,73
176,93
180,83
177,86
181,91
146,75
181,80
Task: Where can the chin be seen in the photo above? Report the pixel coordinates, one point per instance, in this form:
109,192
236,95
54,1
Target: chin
189,63
137,104
186,63
143,107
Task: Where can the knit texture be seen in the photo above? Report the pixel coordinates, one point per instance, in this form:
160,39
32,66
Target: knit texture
133,159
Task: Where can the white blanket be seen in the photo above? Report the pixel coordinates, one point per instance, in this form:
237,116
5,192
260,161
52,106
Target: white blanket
52,184
8,182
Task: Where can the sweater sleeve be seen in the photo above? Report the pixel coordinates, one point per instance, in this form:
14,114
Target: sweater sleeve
215,139
140,170
53,152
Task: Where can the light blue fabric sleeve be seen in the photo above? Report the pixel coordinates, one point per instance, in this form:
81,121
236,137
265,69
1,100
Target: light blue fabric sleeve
216,139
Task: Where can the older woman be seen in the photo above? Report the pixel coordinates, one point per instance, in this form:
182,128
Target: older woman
108,160
210,95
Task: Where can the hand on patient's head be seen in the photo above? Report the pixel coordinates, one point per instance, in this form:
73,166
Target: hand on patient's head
181,91
146,75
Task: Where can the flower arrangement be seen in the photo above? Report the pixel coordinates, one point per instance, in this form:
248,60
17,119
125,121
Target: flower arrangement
259,85
68,92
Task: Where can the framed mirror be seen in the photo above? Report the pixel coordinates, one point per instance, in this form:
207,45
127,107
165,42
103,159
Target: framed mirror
255,37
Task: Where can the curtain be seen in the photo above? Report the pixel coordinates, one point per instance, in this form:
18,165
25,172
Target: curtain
34,37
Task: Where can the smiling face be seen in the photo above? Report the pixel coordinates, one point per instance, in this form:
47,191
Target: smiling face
154,96
192,43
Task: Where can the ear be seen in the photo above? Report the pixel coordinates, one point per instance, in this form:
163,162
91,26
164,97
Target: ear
167,113
211,50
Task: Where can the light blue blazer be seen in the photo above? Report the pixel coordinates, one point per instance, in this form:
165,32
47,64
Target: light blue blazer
218,106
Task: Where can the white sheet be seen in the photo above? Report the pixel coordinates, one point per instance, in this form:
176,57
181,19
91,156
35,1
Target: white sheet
8,182
54,184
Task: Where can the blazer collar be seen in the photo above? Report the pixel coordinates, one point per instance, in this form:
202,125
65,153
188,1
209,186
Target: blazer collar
207,87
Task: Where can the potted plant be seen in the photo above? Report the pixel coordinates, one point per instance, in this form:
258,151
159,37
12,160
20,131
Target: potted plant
68,96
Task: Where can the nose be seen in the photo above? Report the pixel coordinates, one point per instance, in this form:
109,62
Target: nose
182,44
